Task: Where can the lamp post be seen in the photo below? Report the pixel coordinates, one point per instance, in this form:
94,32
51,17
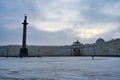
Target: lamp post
38,52
94,50
7,52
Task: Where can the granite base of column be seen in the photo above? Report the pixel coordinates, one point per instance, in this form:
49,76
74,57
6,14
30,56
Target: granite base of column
23,52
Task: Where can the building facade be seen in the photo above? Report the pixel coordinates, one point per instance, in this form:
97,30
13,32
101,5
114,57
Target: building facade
100,48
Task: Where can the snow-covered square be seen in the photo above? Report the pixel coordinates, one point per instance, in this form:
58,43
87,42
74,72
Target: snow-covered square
60,68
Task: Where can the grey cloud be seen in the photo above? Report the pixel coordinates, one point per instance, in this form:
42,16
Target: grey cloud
49,38
94,13
12,13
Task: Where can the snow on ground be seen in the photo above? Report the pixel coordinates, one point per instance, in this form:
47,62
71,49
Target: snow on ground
60,68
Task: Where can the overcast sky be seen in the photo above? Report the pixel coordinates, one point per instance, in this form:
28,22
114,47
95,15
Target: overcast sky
59,22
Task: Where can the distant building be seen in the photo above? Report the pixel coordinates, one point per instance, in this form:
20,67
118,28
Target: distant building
99,48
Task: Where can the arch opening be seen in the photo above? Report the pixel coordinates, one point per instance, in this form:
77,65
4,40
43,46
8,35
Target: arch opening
76,52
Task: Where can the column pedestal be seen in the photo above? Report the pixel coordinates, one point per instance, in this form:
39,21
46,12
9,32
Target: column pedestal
23,52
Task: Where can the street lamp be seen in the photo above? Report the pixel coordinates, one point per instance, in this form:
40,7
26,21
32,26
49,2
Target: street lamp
7,52
38,52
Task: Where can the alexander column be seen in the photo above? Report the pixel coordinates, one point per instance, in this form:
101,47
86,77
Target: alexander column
24,50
